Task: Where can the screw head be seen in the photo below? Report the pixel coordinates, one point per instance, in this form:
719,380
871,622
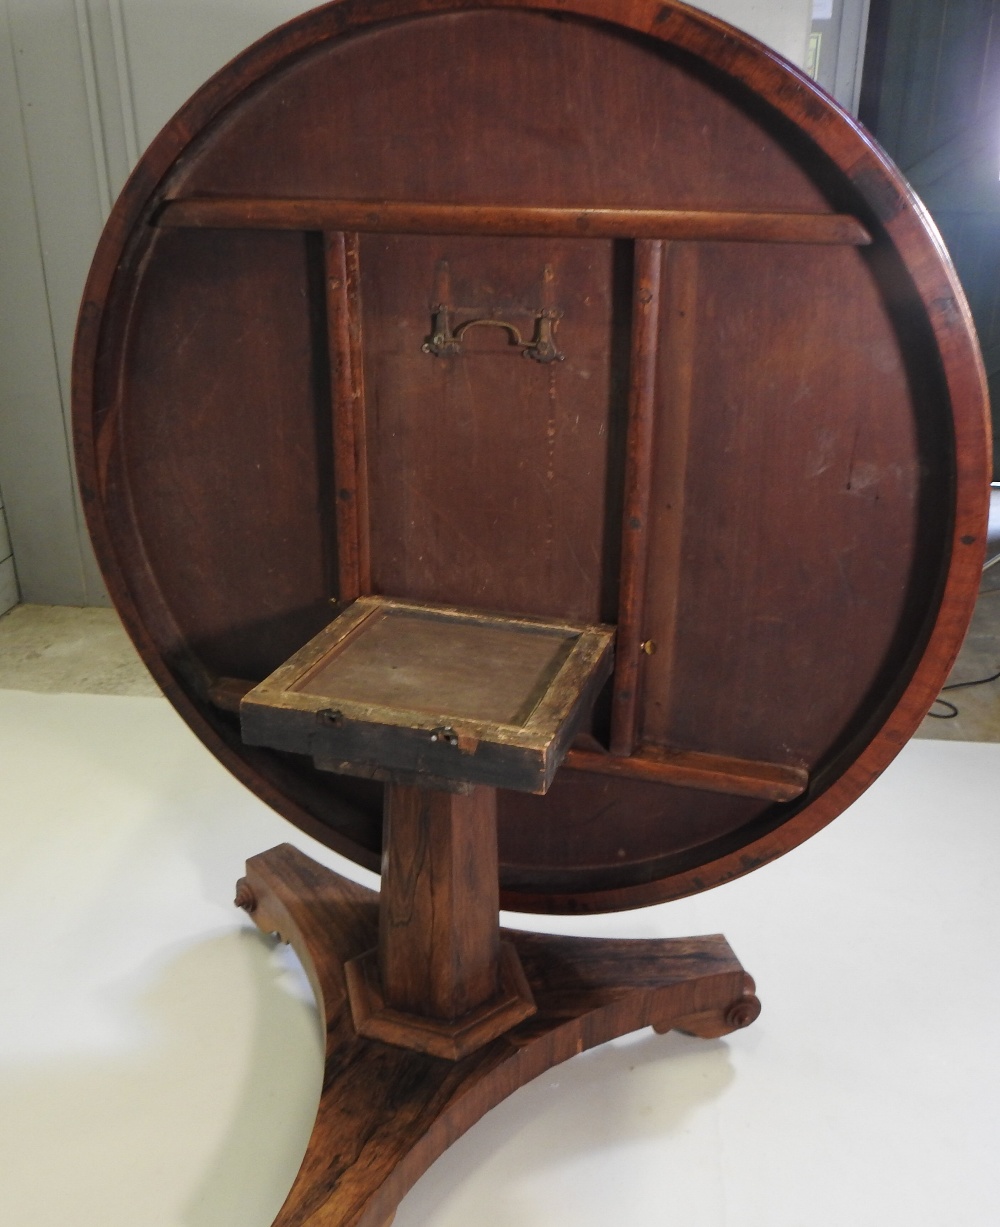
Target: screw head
446,734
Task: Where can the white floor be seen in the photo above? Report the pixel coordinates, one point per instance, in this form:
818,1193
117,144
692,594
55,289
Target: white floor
160,1060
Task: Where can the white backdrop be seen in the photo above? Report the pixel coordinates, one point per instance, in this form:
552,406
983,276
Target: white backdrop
160,1059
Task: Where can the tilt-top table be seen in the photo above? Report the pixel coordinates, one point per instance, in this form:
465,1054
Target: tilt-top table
541,449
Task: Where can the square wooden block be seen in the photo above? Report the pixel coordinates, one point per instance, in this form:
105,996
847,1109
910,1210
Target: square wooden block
397,690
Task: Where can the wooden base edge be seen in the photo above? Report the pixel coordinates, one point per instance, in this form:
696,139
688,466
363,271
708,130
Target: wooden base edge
387,1112
450,1040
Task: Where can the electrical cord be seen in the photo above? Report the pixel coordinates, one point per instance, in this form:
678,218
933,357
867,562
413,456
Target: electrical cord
952,711
979,681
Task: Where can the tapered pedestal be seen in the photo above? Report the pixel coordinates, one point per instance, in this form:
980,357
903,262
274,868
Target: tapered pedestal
441,981
387,1112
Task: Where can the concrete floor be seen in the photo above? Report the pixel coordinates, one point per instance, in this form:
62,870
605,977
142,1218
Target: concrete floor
978,706
60,649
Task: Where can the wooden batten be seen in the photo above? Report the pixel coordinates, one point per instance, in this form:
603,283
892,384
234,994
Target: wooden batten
664,579
343,308
737,777
406,217
638,492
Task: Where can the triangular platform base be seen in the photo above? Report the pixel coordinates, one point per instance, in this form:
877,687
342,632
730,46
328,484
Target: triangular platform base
386,1113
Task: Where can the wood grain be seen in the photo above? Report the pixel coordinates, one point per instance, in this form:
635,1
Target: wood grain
479,462
386,1113
700,771
404,217
670,462
439,981
343,288
438,929
638,493
812,562
395,689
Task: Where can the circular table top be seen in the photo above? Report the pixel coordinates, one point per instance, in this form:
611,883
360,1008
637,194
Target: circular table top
751,432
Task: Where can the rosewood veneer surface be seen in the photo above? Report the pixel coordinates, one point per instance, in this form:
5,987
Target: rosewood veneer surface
584,311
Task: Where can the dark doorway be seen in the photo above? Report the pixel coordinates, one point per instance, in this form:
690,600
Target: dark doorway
931,95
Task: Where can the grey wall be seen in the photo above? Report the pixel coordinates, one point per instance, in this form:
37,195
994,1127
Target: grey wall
84,86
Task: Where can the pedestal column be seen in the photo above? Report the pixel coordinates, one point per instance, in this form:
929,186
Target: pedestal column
440,980
439,923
